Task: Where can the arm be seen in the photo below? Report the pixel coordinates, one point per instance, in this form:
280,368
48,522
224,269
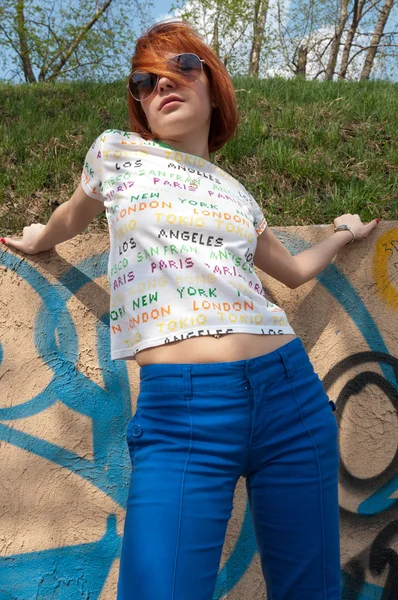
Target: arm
67,221
273,258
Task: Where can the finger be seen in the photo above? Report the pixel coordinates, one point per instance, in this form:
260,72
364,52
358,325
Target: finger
370,226
13,243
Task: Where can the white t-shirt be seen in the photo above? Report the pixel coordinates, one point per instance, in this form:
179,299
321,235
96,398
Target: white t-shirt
183,234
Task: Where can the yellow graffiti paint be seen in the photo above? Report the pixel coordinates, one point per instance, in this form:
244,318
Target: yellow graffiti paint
385,264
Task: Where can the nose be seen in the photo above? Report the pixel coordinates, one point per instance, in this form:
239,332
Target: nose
165,83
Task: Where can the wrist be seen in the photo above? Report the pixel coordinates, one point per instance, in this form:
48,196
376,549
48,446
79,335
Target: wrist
342,238
346,230
39,245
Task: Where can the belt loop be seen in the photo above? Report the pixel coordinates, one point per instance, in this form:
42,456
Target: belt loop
187,381
247,378
285,361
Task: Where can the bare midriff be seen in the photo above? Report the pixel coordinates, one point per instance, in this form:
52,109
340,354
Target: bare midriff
227,348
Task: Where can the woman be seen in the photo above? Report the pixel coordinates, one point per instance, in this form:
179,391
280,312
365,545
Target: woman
226,387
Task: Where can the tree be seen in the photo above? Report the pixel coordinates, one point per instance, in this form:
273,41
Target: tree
324,37
367,16
259,20
304,36
374,44
335,46
356,17
223,25
307,38
49,40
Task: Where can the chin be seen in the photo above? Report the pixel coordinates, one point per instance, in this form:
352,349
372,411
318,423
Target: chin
175,131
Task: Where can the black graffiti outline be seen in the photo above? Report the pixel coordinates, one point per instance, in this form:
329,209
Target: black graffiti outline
380,555
354,386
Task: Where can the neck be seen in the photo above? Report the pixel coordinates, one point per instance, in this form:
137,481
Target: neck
195,147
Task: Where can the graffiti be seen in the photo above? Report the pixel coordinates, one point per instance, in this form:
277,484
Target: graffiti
377,558
380,557
385,264
74,572
65,573
71,572
380,500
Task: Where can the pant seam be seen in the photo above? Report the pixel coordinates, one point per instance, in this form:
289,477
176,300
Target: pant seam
286,365
320,490
181,502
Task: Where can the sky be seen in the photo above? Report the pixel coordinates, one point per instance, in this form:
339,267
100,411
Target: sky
162,9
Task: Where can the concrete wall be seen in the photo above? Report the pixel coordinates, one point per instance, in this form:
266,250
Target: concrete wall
64,466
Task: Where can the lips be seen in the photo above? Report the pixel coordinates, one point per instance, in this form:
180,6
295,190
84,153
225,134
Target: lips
168,99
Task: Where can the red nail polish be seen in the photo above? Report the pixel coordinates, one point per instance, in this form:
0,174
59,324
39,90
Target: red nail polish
378,220
2,240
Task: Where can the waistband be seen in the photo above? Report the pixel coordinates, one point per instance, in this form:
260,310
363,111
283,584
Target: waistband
182,376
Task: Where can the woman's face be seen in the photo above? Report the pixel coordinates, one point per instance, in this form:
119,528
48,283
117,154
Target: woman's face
177,112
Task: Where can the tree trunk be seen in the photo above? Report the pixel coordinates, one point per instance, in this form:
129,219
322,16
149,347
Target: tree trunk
216,40
302,61
356,17
23,44
260,17
334,50
65,53
374,44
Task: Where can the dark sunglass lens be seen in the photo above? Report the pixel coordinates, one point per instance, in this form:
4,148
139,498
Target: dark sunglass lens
187,64
142,85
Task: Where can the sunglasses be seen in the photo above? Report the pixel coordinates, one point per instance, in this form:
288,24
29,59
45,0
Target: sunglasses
141,85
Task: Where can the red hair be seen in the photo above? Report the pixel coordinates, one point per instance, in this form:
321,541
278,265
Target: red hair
177,37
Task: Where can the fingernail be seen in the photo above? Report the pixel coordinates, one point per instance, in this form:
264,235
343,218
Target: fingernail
378,220
2,240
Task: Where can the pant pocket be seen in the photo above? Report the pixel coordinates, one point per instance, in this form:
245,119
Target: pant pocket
316,408
133,434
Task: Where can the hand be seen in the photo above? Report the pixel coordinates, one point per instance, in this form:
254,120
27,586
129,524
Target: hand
359,229
30,236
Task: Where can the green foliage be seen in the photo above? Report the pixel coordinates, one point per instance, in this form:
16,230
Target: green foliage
85,39
224,24
297,36
307,150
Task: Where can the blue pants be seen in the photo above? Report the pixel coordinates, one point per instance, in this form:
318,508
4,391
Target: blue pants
196,430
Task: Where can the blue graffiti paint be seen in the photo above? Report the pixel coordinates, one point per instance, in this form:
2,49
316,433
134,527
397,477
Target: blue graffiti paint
55,310
231,573
109,409
74,389
342,290
68,573
381,500
369,591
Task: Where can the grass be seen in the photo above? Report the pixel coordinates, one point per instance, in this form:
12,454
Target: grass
308,151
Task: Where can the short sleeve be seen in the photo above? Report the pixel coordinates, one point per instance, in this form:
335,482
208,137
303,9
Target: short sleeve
259,222
92,171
